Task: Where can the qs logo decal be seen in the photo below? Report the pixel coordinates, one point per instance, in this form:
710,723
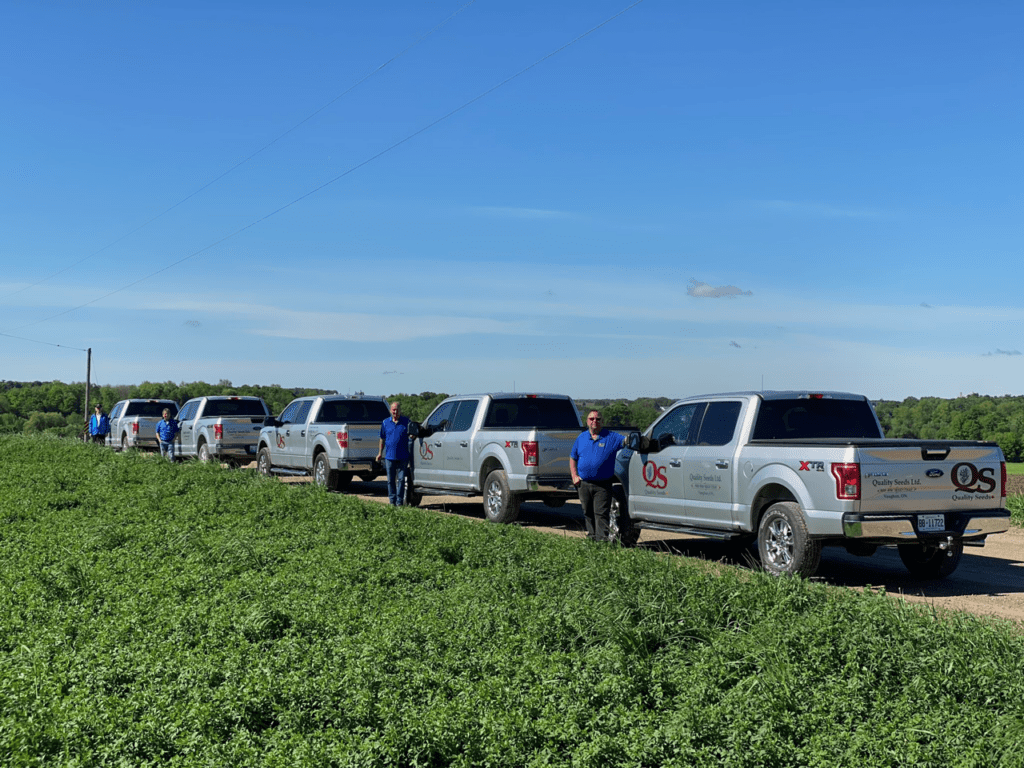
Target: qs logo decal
425,452
655,476
280,440
969,479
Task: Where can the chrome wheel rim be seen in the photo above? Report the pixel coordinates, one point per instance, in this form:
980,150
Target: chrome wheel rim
320,473
779,543
494,499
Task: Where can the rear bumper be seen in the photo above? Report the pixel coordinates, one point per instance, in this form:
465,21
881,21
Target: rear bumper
896,527
233,451
358,465
556,485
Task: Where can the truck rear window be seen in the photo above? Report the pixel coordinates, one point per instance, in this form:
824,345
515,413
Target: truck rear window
233,408
532,413
150,409
801,419
353,412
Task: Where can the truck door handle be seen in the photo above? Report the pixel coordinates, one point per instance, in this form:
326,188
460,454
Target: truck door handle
675,463
464,443
287,433
722,464
437,444
302,433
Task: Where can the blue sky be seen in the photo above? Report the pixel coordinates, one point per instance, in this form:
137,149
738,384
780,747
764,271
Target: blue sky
693,197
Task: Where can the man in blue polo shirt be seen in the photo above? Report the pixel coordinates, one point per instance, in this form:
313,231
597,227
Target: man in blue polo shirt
394,447
592,466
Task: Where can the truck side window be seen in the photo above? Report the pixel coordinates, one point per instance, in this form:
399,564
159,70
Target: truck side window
117,411
442,412
463,418
188,411
677,423
303,412
288,414
719,423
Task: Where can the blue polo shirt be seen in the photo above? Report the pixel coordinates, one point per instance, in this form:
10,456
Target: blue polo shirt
595,459
166,430
396,438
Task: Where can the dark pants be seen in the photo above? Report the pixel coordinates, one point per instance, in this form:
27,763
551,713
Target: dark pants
596,500
396,480
99,439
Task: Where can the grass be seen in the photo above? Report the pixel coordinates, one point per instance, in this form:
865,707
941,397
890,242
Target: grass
153,614
1014,468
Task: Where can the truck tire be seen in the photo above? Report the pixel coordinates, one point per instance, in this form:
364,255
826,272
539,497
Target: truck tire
930,562
124,442
783,543
323,475
412,498
263,462
204,452
621,528
500,504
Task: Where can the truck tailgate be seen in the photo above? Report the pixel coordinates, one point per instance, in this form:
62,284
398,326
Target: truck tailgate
240,431
553,448
363,440
938,476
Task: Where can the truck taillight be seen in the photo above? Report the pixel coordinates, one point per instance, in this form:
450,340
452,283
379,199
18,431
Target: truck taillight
529,453
218,431
847,480
135,427
343,439
1002,479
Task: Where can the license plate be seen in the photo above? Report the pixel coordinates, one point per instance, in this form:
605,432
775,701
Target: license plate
931,522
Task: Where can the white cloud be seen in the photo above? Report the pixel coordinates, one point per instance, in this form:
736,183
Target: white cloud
703,290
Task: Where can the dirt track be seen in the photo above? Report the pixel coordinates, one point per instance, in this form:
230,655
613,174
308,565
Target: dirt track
989,581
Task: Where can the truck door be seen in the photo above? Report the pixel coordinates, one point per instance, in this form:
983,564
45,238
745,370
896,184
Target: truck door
427,456
281,454
186,425
297,447
457,445
708,466
656,480
114,438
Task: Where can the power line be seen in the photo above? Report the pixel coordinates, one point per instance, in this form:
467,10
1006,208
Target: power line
342,175
259,151
37,341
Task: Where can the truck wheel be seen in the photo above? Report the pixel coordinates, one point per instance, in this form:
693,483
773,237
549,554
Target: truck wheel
621,528
930,562
204,452
500,504
783,543
412,498
323,475
263,463
124,442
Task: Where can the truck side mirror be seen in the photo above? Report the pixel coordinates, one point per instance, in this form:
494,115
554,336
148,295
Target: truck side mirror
414,429
632,441
270,421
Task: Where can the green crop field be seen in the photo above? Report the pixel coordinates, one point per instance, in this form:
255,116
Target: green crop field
1014,468
184,615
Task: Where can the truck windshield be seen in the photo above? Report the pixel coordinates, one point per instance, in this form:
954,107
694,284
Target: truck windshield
353,412
233,408
532,413
150,409
800,419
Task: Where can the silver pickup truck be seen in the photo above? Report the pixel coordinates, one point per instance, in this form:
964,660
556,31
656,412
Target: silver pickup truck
507,447
332,437
798,470
133,423
221,428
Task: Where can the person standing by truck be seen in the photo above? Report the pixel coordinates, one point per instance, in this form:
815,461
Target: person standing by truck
166,431
394,448
592,466
99,425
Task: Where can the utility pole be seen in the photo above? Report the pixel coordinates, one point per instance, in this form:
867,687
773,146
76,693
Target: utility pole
88,375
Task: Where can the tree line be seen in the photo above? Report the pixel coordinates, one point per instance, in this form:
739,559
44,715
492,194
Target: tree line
54,406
